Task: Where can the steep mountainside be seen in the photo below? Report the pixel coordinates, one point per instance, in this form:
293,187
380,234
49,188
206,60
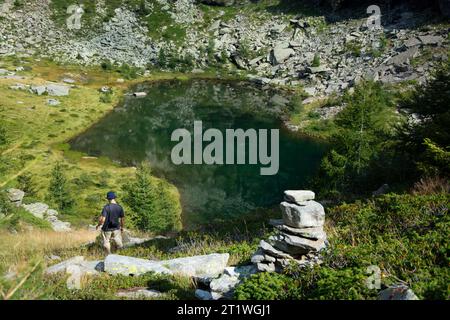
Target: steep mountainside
277,42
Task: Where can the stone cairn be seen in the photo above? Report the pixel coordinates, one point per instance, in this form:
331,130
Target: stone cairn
300,235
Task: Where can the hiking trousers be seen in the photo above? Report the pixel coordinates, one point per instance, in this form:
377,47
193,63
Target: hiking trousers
116,235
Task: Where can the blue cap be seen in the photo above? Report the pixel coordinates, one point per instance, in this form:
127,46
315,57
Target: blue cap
111,195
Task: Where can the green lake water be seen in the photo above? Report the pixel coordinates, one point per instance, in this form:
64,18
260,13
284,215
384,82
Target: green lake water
141,128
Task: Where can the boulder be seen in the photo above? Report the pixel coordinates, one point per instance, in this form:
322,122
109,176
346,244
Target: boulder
51,212
397,292
58,90
198,266
39,90
431,40
404,57
210,265
36,209
139,293
74,280
203,294
116,264
61,267
223,286
280,55
298,196
412,42
310,215
319,69
91,268
60,226
16,196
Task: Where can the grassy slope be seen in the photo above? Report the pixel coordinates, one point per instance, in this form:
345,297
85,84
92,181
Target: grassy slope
38,135
38,132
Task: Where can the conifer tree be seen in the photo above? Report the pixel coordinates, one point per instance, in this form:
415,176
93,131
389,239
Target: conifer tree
151,206
59,190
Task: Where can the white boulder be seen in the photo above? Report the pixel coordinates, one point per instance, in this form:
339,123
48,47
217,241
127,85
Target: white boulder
312,214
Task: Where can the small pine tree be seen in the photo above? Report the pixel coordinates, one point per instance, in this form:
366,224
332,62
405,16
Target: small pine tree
6,207
27,184
150,203
3,136
58,189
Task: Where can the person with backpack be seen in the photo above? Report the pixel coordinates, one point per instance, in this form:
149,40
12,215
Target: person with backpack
112,222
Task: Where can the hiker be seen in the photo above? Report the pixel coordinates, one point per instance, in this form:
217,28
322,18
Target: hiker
112,222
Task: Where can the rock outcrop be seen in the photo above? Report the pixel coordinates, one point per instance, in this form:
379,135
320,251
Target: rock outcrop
16,196
300,235
207,266
276,49
86,267
39,210
42,211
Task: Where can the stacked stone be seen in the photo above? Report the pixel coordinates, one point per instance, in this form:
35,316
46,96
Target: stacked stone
300,235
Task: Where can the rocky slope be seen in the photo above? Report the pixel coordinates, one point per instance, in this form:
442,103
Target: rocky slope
272,48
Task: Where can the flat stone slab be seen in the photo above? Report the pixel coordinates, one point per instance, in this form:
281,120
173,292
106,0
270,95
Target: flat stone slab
299,196
312,214
116,264
270,250
296,245
316,233
85,267
211,265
